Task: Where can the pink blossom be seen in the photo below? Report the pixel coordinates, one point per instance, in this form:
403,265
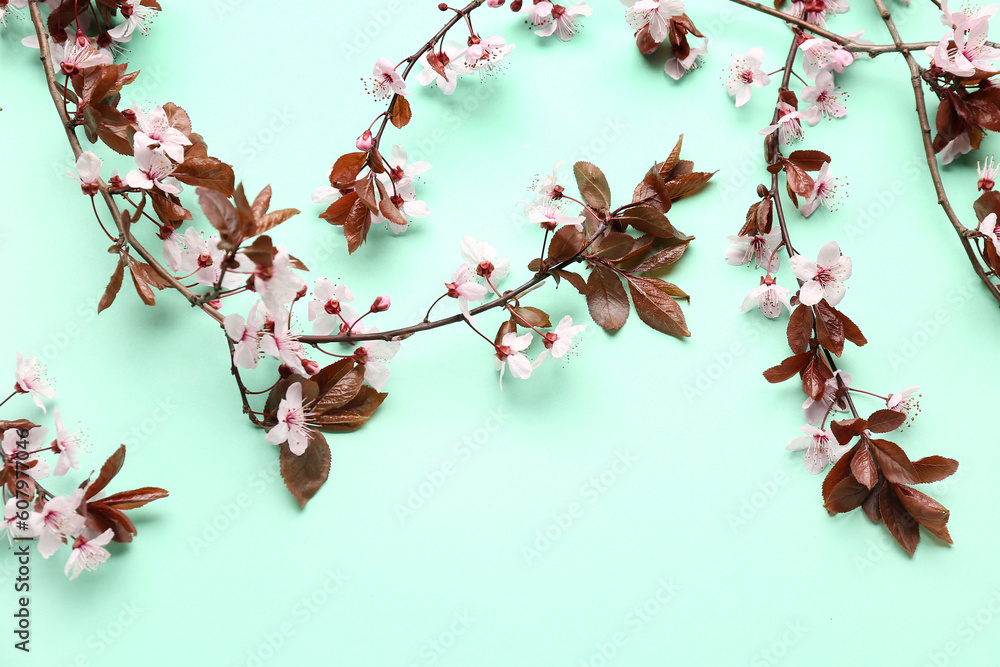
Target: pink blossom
789,125
453,68
155,131
88,554
293,426
88,172
903,401
822,54
283,344
559,341
486,56
387,80
824,98
75,55
654,13
153,169
823,192
991,229
137,17
564,21
372,355
970,51
465,289
757,250
365,141
744,73
25,455
13,518
821,448
551,217
28,381
66,445
817,11
824,277
329,309
277,284
769,297
483,256
987,174
510,353
399,170
676,67
957,147
816,411
405,199
58,520
246,334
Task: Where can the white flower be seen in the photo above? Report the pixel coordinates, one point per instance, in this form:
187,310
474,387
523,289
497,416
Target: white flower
155,131
329,310
486,56
387,80
821,54
744,73
153,170
88,172
88,554
372,355
823,192
789,125
757,250
991,229
559,341
28,380
769,297
824,277
292,426
563,21
824,97
453,68
676,67
465,289
246,335
67,446
58,520
550,216
821,448
137,17
509,353
654,13
483,256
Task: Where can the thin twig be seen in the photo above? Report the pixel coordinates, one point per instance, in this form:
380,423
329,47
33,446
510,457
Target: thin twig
963,232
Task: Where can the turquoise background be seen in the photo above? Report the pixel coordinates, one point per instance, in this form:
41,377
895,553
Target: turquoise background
654,565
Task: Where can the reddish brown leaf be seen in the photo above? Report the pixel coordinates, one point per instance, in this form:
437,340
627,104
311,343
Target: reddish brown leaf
346,168
685,185
656,307
846,430
863,465
652,191
883,421
353,415
341,393
110,468
899,522
809,160
615,246
574,279
533,316
799,181
305,474
838,472
800,326
606,298
649,221
934,468
111,291
788,368
593,185
845,496
401,112
100,517
814,377
127,500
928,512
665,257
208,172
566,243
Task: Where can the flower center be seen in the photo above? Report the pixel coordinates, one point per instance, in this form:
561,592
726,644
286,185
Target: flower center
332,307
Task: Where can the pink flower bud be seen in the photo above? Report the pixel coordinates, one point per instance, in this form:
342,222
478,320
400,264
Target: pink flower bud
310,366
494,3
215,303
381,304
365,141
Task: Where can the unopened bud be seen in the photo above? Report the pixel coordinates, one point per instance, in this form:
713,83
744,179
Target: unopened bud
365,141
762,191
381,304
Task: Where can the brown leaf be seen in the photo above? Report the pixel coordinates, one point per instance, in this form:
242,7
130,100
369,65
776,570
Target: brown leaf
838,472
606,298
883,421
330,375
110,468
829,328
809,160
346,169
100,517
305,474
899,522
141,287
574,279
222,215
566,243
359,221
656,307
127,500
111,291
928,512
685,185
863,465
788,368
893,462
665,257
800,326
846,430
845,496
593,185
799,181
668,165
401,112
934,468
649,221
208,172
652,191
273,219
814,377
614,246
533,316
353,415
341,393
339,210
